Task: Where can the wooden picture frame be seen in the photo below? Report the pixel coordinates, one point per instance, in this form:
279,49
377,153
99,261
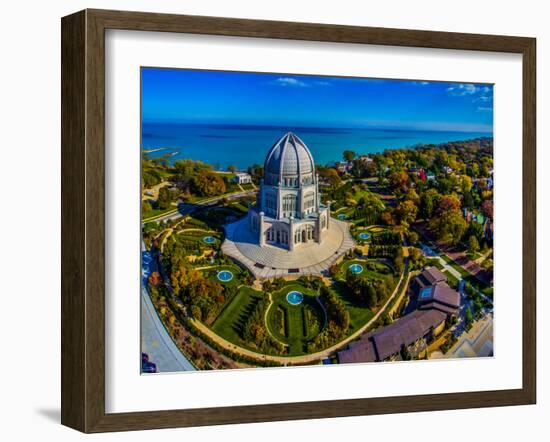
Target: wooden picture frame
83,218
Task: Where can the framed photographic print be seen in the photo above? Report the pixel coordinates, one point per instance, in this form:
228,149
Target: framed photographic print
268,220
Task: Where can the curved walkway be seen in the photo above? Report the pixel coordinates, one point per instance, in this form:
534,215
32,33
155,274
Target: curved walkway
284,344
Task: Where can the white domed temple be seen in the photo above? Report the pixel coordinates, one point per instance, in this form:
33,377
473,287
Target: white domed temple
289,231
289,212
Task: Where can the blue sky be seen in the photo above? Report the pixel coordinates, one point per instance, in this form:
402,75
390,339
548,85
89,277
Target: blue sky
194,96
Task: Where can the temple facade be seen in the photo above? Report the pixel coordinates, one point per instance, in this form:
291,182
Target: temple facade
288,212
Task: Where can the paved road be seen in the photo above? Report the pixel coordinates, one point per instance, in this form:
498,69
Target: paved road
157,343
185,209
155,340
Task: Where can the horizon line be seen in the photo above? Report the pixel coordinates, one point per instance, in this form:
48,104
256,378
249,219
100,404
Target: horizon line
315,126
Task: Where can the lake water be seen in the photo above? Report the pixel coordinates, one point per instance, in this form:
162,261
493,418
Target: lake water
242,146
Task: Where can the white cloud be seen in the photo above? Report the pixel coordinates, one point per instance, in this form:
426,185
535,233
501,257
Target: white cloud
421,83
479,93
289,81
484,109
295,82
483,98
461,90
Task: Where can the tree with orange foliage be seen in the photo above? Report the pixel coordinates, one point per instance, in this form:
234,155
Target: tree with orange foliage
387,218
398,180
154,279
183,276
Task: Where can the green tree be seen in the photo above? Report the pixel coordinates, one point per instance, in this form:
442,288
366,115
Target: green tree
428,202
413,238
165,198
466,184
232,168
406,211
468,318
398,260
146,207
348,155
473,244
450,227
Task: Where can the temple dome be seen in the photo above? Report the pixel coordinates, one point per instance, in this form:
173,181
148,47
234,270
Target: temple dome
289,157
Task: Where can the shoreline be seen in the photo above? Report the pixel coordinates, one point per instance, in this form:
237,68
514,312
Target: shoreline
367,151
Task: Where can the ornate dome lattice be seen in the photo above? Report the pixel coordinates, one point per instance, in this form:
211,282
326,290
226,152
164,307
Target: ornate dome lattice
289,158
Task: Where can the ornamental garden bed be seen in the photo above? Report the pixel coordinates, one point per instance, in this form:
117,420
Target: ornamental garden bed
295,325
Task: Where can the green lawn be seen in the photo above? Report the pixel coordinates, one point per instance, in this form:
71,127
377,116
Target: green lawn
464,273
239,206
451,279
360,314
372,268
237,274
348,211
377,229
355,233
234,315
247,186
295,325
434,262
157,212
484,288
199,237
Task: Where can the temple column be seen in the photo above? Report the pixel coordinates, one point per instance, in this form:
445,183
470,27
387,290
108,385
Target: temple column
328,214
317,197
318,229
279,200
261,230
261,195
291,234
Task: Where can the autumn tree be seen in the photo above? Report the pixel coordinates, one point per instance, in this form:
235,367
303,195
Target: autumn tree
448,203
330,175
398,180
209,184
450,227
407,211
387,218
183,276
154,279
413,196
466,184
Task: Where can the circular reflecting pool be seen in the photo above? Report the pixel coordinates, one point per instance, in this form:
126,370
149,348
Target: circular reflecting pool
294,297
225,275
